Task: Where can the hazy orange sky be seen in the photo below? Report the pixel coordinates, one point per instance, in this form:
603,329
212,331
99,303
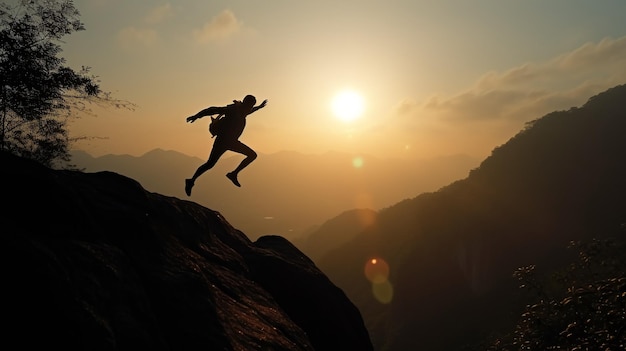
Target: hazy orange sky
436,77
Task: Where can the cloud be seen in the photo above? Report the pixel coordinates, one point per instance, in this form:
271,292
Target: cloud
159,14
608,52
132,37
220,27
406,106
532,90
499,104
515,76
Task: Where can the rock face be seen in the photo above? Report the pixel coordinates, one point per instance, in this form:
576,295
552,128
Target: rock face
95,262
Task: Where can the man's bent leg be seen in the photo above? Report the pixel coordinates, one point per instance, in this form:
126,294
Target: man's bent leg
251,155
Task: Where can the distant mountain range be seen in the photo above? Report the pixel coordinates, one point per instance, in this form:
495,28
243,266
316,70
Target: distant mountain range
451,253
286,193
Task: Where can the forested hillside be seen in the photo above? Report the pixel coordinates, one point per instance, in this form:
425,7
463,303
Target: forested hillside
452,253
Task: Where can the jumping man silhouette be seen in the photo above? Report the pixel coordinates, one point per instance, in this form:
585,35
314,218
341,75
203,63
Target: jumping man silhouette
234,122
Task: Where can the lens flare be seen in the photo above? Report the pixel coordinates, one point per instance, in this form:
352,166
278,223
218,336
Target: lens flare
383,292
357,162
376,270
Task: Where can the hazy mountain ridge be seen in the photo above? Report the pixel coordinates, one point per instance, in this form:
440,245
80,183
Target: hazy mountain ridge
286,193
96,262
324,238
452,252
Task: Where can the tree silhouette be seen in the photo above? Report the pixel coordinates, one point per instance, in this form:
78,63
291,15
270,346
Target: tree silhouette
582,308
38,93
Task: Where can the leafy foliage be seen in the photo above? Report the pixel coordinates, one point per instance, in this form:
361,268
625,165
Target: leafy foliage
38,93
589,313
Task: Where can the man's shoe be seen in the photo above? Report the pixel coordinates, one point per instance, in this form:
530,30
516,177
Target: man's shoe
233,178
188,186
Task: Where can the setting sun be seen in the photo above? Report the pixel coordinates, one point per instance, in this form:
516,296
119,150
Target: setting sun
347,105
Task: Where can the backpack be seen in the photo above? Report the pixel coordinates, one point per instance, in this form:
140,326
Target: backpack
216,127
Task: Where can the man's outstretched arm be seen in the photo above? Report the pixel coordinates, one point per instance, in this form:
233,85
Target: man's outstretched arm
213,110
256,108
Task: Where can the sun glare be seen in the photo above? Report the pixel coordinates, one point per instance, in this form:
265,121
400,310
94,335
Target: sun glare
347,105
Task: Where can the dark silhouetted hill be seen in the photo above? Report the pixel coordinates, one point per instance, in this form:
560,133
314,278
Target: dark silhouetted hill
92,261
286,193
452,252
324,238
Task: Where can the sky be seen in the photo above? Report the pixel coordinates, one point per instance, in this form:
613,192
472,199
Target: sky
435,78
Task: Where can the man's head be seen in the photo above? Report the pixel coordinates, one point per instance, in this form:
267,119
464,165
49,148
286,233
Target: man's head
249,101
